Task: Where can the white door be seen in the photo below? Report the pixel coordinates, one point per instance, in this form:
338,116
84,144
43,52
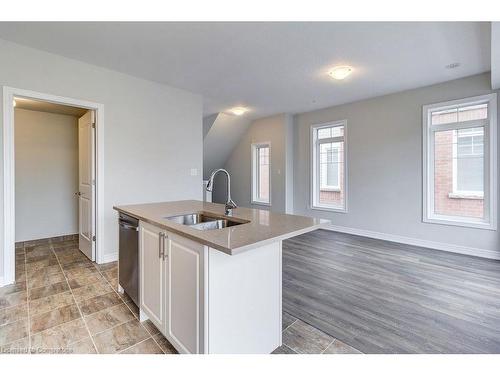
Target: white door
152,273
86,185
185,294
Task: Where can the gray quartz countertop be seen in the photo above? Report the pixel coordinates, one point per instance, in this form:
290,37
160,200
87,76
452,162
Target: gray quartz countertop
263,226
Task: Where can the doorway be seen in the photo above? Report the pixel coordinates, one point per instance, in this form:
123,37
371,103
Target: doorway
79,157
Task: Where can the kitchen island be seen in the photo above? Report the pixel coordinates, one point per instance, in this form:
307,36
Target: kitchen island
213,286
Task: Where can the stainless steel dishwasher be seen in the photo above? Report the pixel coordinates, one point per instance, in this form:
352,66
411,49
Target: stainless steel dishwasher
128,261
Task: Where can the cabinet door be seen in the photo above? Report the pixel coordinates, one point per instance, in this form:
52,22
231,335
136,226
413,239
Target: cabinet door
152,274
185,294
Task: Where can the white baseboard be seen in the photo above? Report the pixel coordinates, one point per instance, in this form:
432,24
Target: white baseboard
483,253
106,258
4,281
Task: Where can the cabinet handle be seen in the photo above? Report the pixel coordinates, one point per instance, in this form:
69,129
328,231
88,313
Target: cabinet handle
160,245
165,236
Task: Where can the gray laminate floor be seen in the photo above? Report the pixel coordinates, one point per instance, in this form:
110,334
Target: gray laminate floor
383,297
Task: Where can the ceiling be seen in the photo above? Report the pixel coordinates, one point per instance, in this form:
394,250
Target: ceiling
41,106
271,67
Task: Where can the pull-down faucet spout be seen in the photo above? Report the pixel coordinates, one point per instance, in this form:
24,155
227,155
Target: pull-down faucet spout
230,205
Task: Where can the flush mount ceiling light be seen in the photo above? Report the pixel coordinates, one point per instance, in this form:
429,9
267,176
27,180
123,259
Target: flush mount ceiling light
340,72
238,111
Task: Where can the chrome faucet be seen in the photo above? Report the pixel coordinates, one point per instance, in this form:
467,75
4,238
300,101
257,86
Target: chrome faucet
230,205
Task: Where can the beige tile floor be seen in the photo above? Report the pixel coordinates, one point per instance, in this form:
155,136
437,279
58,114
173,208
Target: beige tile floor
302,338
64,303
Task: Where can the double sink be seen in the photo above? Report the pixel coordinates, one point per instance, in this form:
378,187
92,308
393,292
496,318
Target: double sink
205,221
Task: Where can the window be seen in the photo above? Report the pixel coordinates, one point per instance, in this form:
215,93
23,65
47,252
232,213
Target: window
460,151
261,178
330,171
468,162
328,167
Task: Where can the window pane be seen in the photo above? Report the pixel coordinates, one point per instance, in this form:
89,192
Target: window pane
333,131
331,174
473,112
324,133
470,160
464,145
444,117
458,173
263,171
329,165
467,113
337,131
470,174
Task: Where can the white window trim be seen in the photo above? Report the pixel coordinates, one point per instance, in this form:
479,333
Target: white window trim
314,176
254,199
490,167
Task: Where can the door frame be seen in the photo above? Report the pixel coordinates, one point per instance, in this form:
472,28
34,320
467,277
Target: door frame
9,172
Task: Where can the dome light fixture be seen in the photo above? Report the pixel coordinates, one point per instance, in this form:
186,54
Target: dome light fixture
340,72
238,111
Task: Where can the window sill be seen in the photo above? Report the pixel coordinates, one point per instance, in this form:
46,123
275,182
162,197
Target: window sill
260,203
333,189
450,220
330,209
466,196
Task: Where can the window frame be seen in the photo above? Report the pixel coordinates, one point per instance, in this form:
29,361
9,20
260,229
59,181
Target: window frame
254,199
315,183
490,161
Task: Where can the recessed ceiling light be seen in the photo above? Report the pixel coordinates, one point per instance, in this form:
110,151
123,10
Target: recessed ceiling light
340,72
238,111
452,65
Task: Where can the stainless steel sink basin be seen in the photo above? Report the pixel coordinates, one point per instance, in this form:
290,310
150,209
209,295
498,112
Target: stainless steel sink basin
205,221
217,224
192,219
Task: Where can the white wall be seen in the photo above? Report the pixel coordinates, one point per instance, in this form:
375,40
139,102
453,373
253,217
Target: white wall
152,135
46,159
221,138
495,55
289,140
239,164
385,165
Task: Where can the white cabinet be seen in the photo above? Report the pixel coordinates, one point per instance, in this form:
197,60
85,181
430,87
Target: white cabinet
152,277
172,281
185,294
205,301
